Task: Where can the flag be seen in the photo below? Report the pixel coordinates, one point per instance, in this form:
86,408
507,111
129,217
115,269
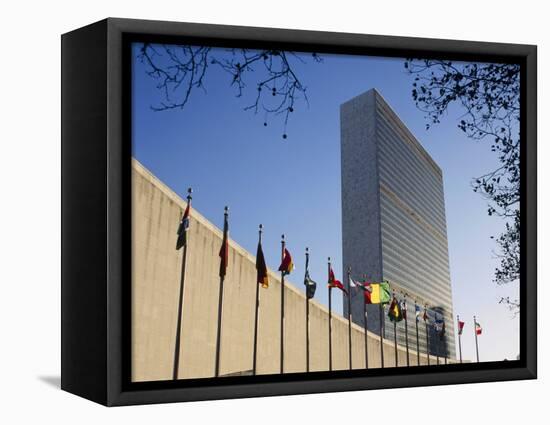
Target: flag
478,329
438,325
395,313
425,315
224,250
380,293
368,299
354,284
404,309
460,327
442,331
261,268
286,265
335,283
417,311
310,284
364,286
182,229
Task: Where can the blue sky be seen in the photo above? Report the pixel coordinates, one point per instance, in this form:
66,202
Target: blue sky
292,185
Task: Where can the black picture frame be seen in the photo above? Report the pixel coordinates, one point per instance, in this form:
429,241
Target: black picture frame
96,152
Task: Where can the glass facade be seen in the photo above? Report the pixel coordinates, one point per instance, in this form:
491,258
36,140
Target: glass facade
410,213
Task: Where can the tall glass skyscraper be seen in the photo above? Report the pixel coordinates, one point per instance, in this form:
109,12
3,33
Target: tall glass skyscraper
393,219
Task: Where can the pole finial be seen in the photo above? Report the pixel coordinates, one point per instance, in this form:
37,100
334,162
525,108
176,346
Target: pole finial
226,210
329,259
307,250
283,237
261,227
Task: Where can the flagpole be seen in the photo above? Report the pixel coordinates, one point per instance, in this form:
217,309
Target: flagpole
329,321
475,333
406,327
177,348
459,338
445,347
381,318
427,334
365,318
220,304
349,318
445,341
282,333
438,343
307,313
417,339
395,334
257,307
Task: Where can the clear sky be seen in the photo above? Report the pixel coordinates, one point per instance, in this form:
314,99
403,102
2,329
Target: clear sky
292,185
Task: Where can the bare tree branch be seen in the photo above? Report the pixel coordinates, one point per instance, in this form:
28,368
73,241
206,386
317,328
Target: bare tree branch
181,69
488,95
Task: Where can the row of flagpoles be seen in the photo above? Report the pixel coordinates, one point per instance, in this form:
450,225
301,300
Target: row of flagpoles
374,293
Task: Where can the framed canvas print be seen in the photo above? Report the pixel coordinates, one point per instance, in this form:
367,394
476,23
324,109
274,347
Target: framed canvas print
251,212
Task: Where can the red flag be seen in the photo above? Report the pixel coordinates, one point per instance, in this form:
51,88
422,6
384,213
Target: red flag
224,250
460,327
286,265
368,291
478,329
335,283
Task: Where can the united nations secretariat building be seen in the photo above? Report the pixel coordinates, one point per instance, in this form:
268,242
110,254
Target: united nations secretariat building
393,218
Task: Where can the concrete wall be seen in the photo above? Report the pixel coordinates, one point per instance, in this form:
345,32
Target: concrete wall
156,271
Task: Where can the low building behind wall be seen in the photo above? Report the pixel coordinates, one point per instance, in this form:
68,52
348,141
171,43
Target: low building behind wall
156,274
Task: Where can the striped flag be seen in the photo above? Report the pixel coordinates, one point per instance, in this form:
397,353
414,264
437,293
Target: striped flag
378,293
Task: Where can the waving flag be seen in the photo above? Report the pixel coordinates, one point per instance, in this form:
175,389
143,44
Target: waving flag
395,313
335,283
478,329
404,309
460,327
378,293
354,284
182,228
286,265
